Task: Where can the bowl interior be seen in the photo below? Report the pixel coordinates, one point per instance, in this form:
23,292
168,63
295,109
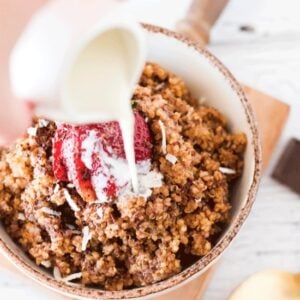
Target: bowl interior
208,79
210,85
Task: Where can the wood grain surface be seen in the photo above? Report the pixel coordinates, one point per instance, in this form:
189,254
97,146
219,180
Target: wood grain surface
271,115
200,19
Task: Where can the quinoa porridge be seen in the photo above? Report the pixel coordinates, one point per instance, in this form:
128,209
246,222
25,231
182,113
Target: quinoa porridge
78,217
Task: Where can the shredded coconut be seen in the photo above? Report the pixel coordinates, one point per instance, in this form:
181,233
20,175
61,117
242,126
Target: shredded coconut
21,216
56,273
69,226
72,277
171,158
56,189
73,284
151,180
71,202
100,212
50,211
43,123
32,131
72,228
227,170
46,263
159,86
148,181
86,237
163,134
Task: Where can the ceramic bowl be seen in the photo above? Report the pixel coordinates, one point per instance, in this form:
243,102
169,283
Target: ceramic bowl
206,77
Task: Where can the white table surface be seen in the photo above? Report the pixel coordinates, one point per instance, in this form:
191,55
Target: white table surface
267,59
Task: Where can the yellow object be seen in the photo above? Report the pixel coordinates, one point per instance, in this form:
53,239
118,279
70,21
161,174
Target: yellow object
269,285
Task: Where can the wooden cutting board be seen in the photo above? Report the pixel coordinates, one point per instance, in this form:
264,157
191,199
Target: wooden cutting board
271,116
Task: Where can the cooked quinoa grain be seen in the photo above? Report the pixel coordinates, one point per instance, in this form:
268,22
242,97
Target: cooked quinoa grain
134,241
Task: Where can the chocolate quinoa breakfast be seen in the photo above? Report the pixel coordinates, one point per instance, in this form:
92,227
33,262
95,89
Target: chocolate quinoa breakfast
66,197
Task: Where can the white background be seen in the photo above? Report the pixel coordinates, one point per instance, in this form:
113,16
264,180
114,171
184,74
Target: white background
267,59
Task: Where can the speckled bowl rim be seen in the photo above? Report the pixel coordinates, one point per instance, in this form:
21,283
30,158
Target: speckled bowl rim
202,263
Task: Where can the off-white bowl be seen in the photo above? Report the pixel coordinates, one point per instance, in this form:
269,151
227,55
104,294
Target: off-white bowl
205,76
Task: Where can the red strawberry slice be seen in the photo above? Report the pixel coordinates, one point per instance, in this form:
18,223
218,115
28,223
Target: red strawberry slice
62,134
111,138
67,153
67,163
142,139
78,173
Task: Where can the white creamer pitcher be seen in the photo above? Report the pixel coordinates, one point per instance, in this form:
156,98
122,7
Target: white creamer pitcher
80,65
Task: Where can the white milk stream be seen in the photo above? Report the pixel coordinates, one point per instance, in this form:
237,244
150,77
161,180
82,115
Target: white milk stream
99,85
81,71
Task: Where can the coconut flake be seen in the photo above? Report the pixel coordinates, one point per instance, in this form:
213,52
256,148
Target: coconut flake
86,237
21,217
72,277
46,263
147,182
32,131
43,123
50,211
100,212
56,273
159,86
163,134
72,228
69,226
227,171
148,179
70,185
70,201
56,189
171,158
73,284
151,180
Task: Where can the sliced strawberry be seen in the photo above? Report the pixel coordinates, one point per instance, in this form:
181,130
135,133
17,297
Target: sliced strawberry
78,173
111,137
59,167
142,139
68,149
67,163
